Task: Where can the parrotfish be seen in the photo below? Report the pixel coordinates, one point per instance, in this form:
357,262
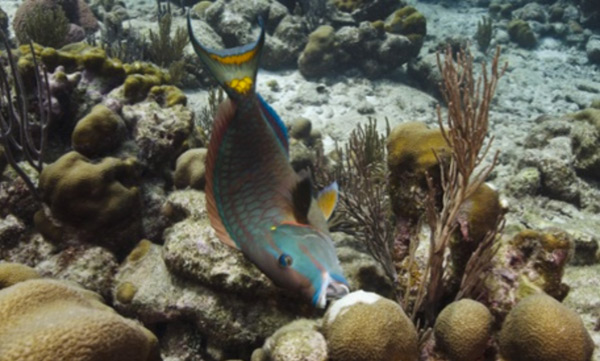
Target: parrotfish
256,202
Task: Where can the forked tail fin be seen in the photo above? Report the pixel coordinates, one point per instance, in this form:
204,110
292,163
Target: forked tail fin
235,68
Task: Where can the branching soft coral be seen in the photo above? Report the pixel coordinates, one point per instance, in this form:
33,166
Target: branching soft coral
364,208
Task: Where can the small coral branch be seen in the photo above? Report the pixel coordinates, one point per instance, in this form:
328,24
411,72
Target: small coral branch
465,129
167,51
483,36
208,113
23,134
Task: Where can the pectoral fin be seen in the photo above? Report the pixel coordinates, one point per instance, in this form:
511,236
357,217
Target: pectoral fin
302,197
327,199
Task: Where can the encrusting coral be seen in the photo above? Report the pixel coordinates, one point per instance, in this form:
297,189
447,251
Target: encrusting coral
168,95
52,320
463,329
364,326
545,255
541,328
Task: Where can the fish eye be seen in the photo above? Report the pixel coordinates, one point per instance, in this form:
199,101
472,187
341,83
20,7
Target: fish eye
285,260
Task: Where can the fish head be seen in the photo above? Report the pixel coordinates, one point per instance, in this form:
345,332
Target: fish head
306,261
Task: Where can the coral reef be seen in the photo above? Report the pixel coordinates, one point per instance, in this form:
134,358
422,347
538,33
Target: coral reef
167,96
192,251
530,262
316,58
189,169
289,38
412,149
68,17
98,133
300,128
227,324
483,36
299,340
541,328
463,330
98,202
564,151
91,267
545,253
593,49
13,273
161,134
45,26
365,326
349,5
167,51
204,300
520,32
478,216
47,319
366,46
409,22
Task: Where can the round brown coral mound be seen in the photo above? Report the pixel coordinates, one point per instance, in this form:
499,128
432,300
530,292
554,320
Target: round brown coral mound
463,329
52,320
540,328
364,326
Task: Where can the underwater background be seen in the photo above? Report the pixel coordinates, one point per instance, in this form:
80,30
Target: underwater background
468,231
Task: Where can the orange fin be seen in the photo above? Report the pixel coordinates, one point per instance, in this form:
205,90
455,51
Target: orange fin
327,199
225,114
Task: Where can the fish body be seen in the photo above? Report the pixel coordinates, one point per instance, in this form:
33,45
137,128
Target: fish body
255,200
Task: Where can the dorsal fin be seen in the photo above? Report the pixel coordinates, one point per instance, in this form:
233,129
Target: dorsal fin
235,68
224,116
302,197
278,127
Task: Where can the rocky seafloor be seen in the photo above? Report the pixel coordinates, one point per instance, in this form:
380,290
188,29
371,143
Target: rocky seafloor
200,300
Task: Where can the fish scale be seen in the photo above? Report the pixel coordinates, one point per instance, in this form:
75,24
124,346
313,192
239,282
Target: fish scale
260,176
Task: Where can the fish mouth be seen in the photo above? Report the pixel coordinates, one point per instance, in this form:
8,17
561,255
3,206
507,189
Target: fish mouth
331,289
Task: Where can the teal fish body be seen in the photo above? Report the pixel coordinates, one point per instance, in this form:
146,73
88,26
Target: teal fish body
255,200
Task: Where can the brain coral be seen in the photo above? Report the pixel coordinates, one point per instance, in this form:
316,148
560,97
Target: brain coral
364,326
50,320
463,329
540,328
